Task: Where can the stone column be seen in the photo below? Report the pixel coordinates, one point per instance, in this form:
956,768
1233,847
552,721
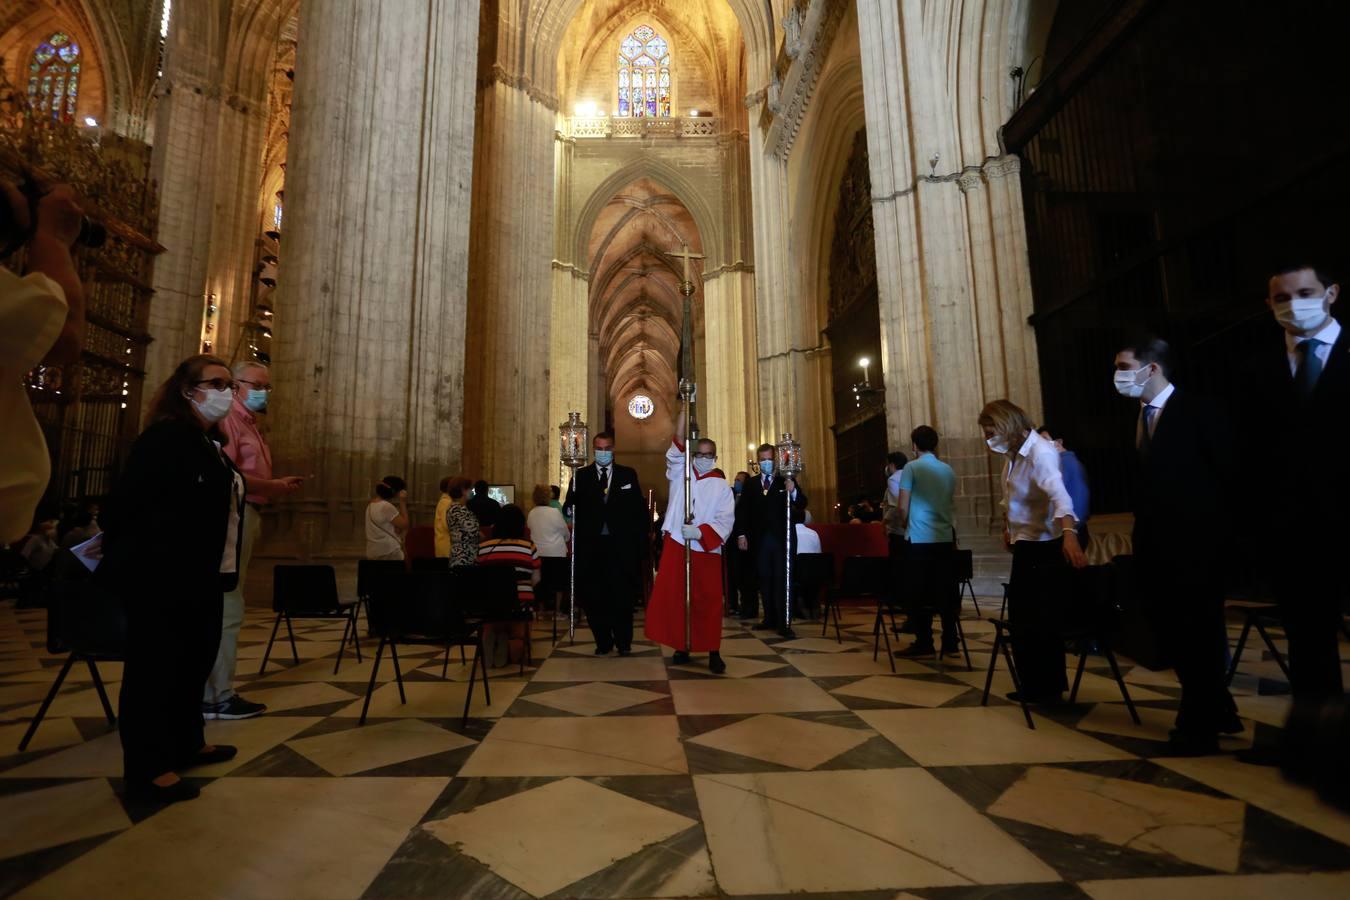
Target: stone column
509,423
207,159
371,294
952,267
793,366
569,374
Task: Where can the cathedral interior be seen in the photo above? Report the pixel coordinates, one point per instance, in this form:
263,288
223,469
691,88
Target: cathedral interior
445,225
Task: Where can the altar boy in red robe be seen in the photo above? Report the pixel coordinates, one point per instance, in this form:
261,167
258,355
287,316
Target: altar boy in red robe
714,513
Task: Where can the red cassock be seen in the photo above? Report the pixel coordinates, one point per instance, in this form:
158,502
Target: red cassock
714,513
665,610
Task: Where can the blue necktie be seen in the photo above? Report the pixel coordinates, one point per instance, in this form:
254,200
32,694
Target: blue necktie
1146,428
1309,366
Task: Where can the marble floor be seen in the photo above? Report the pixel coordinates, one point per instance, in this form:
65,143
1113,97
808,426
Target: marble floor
807,768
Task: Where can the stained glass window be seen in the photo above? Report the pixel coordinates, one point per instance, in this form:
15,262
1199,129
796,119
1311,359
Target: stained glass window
644,74
54,77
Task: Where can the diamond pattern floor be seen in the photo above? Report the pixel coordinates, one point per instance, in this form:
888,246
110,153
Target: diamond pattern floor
807,769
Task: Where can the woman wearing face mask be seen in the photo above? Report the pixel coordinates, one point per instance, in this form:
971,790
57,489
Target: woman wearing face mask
171,548
1039,530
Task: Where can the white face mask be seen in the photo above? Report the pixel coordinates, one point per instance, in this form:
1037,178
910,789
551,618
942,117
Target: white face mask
216,405
1128,384
1303,313
997,445
704,466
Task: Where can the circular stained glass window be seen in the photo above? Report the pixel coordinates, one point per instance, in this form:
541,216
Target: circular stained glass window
641,406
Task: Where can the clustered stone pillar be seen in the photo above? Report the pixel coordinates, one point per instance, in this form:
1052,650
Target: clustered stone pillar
371,301
509,429
952,268
209,134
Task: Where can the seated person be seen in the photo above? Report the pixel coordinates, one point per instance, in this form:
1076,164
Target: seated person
508,546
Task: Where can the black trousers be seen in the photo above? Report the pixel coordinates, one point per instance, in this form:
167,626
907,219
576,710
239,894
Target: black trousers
769,563
1036,599
607,588
743,580
172,639
930,586
1308,588
897,550
1185,603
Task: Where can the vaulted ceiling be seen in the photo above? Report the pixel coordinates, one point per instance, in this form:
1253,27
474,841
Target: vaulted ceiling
635,304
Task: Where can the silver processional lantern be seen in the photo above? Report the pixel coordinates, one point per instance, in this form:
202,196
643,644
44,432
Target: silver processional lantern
788,462
573,447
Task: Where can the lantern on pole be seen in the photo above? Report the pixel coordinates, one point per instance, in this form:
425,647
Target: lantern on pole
788,462
573,449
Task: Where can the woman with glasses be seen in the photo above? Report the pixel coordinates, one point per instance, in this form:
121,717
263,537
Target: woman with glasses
171,544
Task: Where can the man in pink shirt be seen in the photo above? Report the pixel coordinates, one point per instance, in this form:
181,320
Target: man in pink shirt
247,449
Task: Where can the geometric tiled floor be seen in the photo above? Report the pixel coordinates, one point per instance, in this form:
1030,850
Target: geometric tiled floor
807,768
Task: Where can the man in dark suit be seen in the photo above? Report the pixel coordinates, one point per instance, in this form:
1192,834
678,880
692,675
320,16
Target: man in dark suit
1303,395
742,576
760,531
1184,465
609,533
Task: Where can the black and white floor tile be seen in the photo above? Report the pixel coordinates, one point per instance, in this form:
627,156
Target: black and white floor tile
808,768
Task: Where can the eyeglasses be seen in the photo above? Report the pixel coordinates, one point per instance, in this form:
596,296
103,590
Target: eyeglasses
265,388
219,384
705,456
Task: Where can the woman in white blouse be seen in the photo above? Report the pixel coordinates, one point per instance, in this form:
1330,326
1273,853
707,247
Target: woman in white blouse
548,530
1038,529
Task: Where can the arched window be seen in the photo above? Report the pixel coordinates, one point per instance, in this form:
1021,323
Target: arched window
644,74
54,77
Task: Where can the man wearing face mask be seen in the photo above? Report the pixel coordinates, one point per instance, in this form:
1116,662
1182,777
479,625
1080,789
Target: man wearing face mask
1184,463
761,520
714,512
249,452
609,512
1304,385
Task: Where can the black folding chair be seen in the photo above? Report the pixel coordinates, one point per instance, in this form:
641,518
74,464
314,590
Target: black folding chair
488,595
814,575
309,592
862,578
965,576
87,622
555,580
370,574
1094,602
420,608
1257,615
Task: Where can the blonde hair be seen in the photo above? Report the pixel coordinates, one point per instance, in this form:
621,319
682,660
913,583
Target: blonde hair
1006,418
542,495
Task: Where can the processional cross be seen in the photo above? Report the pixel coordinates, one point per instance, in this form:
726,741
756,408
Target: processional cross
688,391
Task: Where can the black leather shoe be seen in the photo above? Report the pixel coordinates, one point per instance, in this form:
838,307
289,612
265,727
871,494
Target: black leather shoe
625,651
221,753
681,658
604,652
1261,756
149,792
1233,725
716,664
787,632
916,651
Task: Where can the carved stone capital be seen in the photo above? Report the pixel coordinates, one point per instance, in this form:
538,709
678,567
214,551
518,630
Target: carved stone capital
970,181
521,83
1003,166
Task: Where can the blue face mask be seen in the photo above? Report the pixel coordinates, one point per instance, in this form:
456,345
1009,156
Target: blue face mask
256,400
766,466
604,457
736,487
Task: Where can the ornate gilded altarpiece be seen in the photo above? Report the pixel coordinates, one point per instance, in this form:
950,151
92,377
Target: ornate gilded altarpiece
90,411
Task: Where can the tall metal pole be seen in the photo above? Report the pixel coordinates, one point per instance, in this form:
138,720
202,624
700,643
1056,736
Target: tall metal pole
688,391
573,436
787,575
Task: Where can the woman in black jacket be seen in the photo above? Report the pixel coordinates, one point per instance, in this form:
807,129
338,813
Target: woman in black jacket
170,549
